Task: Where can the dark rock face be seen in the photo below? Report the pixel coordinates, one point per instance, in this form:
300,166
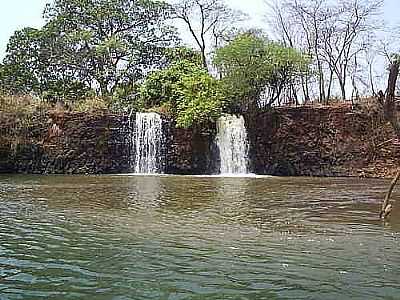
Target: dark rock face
6,162
71,144
97,144
309,141
190,152
284,142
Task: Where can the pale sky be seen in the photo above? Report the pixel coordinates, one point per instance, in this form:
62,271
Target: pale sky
17,14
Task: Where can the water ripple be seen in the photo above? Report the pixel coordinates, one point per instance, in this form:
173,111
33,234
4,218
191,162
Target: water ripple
116,237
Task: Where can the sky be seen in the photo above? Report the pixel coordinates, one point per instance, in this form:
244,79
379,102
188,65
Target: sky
17,14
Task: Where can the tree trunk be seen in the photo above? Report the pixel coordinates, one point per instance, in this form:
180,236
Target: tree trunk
322,95
342,84
328,97
306,90
204,58
389,103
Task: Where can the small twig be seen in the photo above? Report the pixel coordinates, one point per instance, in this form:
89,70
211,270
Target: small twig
384,143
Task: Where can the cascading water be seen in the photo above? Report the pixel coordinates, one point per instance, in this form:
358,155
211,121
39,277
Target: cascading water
233,145
148,140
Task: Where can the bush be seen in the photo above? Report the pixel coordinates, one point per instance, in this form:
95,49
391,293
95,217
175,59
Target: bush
189,93
161,86
200,100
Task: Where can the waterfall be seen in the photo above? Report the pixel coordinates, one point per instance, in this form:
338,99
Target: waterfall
233,145
148,140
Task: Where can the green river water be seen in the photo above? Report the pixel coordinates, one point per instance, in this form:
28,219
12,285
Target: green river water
171,237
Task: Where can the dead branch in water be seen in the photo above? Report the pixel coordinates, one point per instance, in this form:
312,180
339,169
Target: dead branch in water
388,102
386,206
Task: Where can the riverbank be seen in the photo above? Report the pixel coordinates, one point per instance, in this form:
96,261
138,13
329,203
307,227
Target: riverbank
302,141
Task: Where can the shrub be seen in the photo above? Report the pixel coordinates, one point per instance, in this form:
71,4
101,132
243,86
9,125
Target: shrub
189,93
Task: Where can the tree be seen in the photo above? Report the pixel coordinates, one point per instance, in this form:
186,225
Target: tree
176,54
346,36
388,99
206,20
332,33
160,87
297,23
187,91
289,32
201,100
36,63
100,44
253,67
21,62
390,110
120,39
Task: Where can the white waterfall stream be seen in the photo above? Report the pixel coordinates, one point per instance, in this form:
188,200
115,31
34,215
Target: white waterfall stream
233,145
148,141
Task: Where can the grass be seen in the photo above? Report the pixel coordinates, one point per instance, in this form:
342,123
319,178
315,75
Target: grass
22,105
90,105
26,105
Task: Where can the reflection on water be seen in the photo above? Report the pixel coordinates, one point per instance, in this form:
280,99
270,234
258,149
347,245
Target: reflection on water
125,237
145,193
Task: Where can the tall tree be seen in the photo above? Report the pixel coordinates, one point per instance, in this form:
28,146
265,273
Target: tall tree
346,36
103,44
119,39
21,71
332,32
206,20
39,61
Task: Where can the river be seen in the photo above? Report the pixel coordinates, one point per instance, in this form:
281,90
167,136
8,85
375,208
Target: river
171,237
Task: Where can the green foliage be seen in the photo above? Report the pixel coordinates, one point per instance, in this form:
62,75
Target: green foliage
201,100
177,54
36,64
161,86
101,45
125,99
118,40
189,93
252,65
21,62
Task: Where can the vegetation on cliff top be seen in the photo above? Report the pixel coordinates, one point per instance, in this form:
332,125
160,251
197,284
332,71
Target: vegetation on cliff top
255,71
126,55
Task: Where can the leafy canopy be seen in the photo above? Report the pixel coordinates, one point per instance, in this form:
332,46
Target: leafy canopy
192,96
252,66
100,45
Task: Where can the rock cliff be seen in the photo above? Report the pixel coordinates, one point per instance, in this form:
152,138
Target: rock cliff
305,141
